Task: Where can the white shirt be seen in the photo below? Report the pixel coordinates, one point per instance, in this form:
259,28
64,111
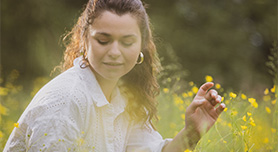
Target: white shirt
71,113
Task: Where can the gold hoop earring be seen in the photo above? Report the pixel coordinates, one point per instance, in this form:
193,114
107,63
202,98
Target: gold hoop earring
84,62
141,55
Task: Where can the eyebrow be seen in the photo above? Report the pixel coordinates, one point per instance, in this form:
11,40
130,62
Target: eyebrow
102,33
108,35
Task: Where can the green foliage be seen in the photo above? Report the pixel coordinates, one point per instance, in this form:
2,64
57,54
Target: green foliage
227,39
245,125
272,62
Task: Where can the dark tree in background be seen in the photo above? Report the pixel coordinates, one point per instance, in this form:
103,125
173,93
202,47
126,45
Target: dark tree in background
228,39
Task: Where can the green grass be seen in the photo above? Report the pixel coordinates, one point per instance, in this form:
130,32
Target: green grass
246,125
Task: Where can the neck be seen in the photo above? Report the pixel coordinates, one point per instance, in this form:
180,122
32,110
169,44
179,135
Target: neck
107,86
107,89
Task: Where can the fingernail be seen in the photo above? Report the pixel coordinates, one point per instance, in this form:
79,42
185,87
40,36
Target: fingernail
223,105
219,98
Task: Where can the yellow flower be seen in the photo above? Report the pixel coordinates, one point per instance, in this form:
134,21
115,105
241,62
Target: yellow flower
243,96
252,122
234,113
224,141
266,91
273,89
244,118
187,150
195,90
222,99
266,140
273,130
249,113
191,83
243,127
183,116
190,94
209,141
165,90
267,109
185,95
253,102
273,101
246,147
178,100
225,109
16,125
232,95
217,86
209,78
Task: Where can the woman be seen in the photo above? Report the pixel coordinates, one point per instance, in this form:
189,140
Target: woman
105,98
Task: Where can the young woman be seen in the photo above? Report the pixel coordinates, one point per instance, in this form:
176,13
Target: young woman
105,98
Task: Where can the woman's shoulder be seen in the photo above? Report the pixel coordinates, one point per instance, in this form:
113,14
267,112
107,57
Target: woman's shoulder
67,90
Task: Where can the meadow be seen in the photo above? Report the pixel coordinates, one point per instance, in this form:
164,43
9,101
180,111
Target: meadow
247,124
233,38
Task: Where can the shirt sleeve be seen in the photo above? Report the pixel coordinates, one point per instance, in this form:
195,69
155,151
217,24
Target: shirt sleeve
52,126
145,139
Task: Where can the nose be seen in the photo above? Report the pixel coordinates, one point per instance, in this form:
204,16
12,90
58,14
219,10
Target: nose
114,51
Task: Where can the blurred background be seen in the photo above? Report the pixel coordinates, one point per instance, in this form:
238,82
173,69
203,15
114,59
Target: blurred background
232,41
229,39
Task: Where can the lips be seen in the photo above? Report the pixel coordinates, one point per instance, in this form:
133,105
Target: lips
113,63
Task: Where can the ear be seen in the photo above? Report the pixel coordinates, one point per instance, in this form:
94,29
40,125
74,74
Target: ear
85,45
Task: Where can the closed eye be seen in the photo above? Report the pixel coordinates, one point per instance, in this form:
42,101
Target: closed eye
102,42
128,41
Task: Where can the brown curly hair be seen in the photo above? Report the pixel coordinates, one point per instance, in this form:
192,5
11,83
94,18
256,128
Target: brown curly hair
140,83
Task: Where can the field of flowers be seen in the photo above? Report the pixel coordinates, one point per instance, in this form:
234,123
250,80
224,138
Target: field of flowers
247,124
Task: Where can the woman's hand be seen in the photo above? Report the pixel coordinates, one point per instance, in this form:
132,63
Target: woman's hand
202,113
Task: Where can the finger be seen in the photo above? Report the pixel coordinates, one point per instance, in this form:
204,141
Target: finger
204,88
194,105
220,108
218,99
211,95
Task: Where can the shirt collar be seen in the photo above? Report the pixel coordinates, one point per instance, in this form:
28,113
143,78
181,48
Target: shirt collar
92,85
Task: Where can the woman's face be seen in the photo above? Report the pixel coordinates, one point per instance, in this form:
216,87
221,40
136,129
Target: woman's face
114,44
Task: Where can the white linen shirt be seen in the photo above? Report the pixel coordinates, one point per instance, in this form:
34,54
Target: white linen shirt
71,113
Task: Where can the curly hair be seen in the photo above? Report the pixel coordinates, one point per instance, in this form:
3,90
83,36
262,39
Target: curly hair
140,83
